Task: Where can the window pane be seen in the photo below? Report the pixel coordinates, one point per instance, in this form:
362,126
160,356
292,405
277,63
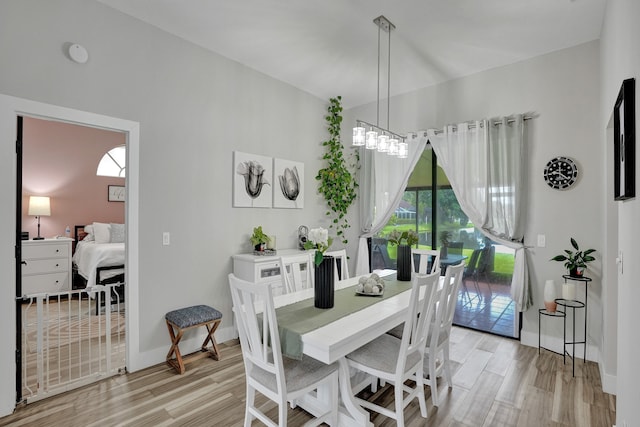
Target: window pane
113,163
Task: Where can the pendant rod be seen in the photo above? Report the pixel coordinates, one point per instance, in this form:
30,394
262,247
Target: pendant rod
388,80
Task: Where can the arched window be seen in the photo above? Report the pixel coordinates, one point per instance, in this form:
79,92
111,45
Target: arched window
113,163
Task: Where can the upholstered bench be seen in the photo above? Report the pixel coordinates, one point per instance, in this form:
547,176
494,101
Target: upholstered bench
183,319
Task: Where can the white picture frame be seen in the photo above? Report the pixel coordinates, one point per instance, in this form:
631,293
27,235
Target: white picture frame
288,184
252,180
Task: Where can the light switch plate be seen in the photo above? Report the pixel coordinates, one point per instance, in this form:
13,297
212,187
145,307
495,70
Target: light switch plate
166,238
542,240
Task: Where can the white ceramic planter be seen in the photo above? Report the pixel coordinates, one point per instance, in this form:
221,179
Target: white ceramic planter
550,296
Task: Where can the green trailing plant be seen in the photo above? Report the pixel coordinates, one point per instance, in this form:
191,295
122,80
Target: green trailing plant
407,237
336,181
575,261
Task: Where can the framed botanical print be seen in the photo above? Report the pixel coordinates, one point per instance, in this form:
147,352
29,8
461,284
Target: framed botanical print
252,174
624,142
288,178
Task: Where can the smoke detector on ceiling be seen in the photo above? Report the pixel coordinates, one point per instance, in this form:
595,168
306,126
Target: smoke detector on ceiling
78,53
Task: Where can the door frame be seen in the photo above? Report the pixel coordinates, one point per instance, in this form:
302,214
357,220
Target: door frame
10,109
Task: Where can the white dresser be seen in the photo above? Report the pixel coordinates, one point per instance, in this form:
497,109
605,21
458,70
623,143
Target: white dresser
261,269
46,265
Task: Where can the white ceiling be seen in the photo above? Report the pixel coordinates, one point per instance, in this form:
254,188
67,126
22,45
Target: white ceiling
329,47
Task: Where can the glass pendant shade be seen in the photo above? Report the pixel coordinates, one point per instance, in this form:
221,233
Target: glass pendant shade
383,143
358,136
403,150
372,140
393,147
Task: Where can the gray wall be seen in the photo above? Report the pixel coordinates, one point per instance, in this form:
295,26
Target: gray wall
194,108
621,60
562,89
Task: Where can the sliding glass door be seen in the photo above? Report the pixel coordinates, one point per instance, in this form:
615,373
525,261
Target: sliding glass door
429,206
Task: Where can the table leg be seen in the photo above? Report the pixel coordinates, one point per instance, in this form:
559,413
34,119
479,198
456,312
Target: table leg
359,416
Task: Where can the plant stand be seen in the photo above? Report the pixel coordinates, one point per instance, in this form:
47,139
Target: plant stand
573,305
586,281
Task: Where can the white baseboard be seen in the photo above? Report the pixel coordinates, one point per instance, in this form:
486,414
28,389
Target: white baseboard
190,345
609,382
555,344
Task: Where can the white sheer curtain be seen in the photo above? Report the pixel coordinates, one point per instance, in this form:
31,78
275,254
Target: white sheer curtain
486,167
383,179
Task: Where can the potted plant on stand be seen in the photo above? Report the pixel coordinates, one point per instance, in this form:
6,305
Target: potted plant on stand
259,239
323,287
404,240
575,260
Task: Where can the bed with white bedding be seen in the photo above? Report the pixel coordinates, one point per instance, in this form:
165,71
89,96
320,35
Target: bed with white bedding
99,259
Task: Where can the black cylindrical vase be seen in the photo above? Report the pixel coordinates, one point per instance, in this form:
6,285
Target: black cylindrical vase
404,263
323,287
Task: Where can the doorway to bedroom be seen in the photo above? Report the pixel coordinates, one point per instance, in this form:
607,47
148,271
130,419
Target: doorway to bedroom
71,183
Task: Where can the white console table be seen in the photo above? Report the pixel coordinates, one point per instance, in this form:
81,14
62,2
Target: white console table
261,269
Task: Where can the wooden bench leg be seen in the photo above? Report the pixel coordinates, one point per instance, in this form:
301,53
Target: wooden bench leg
176,363
214,351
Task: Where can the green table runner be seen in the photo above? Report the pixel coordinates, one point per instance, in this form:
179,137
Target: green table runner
296,319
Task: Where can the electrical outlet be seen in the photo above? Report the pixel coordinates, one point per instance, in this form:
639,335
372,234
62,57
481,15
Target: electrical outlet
542,240
166,238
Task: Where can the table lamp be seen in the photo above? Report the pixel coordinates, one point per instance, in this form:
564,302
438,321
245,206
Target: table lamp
39,206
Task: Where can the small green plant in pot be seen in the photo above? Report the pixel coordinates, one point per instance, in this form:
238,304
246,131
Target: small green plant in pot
407,237
259,239
575,260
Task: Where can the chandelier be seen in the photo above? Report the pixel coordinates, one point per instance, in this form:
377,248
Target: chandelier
376,137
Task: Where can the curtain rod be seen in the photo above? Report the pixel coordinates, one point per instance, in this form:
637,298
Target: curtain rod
472,125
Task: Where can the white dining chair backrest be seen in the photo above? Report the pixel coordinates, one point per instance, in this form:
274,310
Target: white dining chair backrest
424,257
416,324
449,296
297,271
257,328
440,332
339,257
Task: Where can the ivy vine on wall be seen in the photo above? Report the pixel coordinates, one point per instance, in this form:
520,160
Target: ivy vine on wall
336,181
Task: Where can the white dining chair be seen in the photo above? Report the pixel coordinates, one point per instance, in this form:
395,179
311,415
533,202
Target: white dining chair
340,256
267,372
424,257
395,360
436,357
297,271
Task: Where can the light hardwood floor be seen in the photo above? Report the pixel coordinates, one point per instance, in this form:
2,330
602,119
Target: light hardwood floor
497,382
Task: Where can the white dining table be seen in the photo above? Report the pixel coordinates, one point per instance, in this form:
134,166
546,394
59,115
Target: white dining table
332,342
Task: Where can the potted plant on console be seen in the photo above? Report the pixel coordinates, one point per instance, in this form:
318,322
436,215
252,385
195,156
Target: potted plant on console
575,260
404,240
259,239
